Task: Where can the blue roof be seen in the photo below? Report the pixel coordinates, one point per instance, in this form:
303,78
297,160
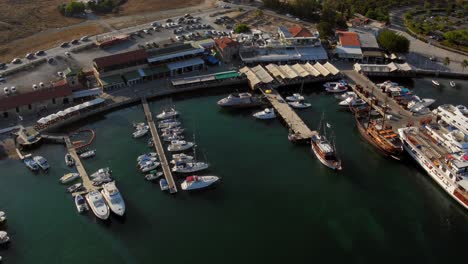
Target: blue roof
212,59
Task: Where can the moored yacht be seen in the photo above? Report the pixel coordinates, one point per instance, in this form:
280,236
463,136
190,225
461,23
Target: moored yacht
190,167
268,113
181,158
295,97
41,162
4,238
140,132
146,155
113,198
345,95
198,182
436,83
299,104
169,113
97,204
2,217
324,148
88,154
69,160
336,88
180,145
80,204
149,166
31,164
453,84
69,177
239,100
352,102
153,175
169,125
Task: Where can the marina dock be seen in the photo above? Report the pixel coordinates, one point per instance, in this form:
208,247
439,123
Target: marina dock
301,131
159,147
87,183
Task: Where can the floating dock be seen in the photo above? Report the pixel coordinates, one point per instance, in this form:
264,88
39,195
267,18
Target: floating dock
159,147
87,182
301,131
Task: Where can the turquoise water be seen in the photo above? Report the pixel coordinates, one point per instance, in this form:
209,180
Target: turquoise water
276,203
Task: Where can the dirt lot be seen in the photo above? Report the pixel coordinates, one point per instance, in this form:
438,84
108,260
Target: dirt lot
267,23
46,27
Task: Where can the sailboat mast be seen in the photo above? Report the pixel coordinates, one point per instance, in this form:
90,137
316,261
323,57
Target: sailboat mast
384,113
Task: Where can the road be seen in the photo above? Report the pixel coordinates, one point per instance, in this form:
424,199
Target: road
420,51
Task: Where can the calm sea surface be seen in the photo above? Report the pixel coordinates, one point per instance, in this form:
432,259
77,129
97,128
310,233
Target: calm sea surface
276,203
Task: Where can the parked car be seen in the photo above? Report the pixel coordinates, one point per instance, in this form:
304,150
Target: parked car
6,90
40,53
41,84
2,66
68,54
2,79
13,89
64,45
168,20
146,31
16,61
29,56
34,86
84,38
60,74
50,60
75,41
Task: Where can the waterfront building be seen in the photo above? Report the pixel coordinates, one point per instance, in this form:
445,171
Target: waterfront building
298,36
348,46
227,48
371,51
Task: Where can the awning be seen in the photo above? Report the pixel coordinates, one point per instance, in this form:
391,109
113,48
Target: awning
88,92
226,75
176,55
186,63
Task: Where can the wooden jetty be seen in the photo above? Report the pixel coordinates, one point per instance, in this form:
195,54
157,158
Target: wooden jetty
159,147
87,182
300,130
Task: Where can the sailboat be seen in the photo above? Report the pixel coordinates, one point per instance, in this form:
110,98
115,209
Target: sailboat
378,134
324,148
190,166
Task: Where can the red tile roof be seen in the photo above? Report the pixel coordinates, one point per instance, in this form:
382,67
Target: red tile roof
43,94
348,39
300,32
224,42
121,58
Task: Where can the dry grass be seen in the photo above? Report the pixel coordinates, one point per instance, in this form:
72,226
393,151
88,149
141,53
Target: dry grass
132,7
267,22
43,41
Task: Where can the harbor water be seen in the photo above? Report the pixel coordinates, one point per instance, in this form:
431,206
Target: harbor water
275,203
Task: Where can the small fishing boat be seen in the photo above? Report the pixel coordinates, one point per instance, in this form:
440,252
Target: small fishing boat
150,142
172,130
31,164
101,173
138,125
75,187
337,88
146,155
295,97
453,84
140,132
81,204
150,166
345,95
3,217
163,184
42,162
198,182
181,158
4,238
145,161
69,160
88,154
169,113
172,137
353,102
268,113
180,145
240,100
436,83
190,167
69,177
299,105
324,147
153,175
169,125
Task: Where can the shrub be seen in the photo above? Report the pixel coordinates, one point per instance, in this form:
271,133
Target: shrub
392,42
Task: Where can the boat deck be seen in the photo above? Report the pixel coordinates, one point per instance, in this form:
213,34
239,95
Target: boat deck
87,182
292,120
159,147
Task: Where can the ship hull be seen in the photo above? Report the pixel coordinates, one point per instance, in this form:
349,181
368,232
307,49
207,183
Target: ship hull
325,162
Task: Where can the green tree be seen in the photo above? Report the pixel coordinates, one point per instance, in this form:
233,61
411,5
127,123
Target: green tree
72,8
446,61
392,42
464,64
258,13
457,36
325,29
241,28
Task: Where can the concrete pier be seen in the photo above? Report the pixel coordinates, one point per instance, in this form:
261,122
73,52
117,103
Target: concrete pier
87,182
159,147
293,121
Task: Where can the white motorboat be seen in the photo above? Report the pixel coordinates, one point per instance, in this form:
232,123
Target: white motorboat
146,160
181,158
69,160
97,204
31,164
143,156
436,83
416,101
268,113
198,182
140,132
138,125
102,173
3,217
173,137
387,84
351,101
41,162
4,238
345,95
240,100
295,97
180,145
165,114
172,130
299,104
337,88
163,184
169,125
113,198
88,154
80,204
190,167
69,177
153,176
463,109
150,166
453,84
170,133
74,188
